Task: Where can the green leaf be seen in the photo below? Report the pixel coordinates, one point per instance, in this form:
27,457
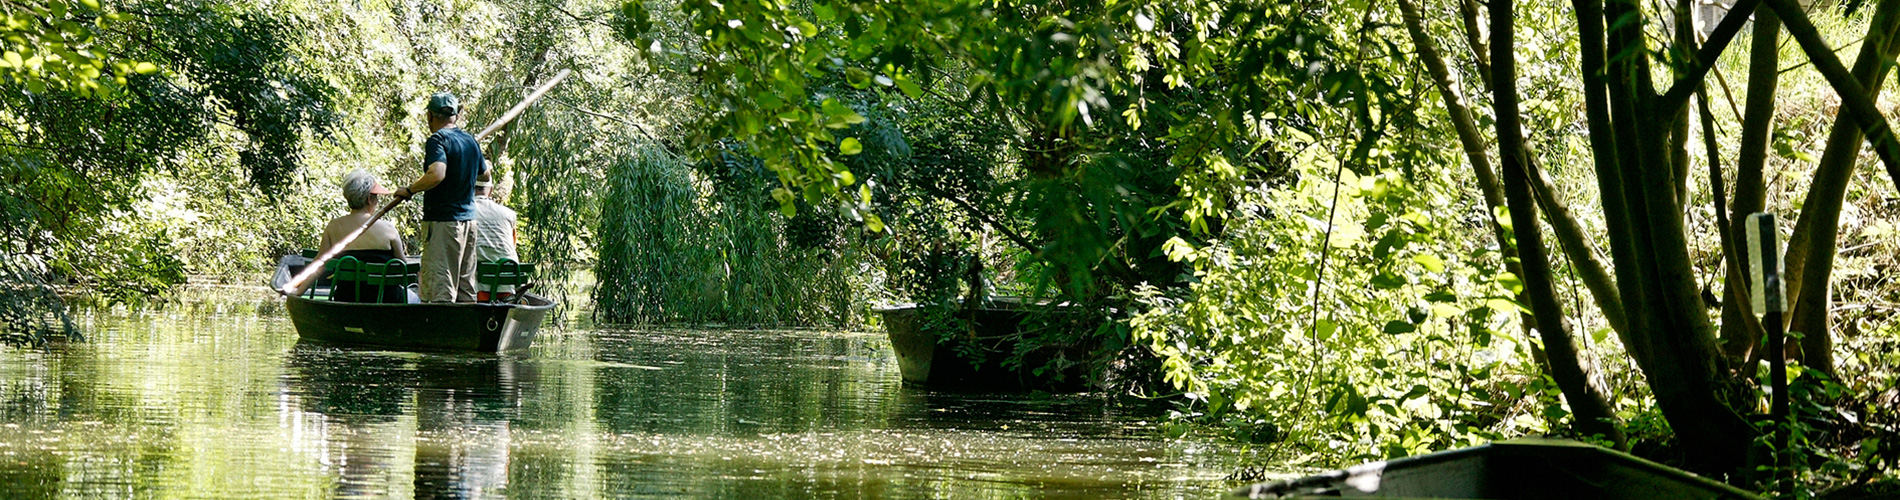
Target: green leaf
1511,282
145,68
1503,217
1387,281
1430,262
1396,327
1392,241
1327,328
1555,412
1505,305
850,146
909,87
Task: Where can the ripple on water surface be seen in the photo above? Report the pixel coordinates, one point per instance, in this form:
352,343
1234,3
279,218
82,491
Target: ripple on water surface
214,398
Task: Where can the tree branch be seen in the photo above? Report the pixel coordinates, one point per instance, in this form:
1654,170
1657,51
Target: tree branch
1705,57
1012,235
1853,95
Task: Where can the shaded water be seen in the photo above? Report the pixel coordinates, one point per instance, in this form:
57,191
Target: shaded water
215,398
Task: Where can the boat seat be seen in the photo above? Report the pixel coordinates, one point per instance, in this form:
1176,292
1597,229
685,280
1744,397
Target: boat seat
495,273
350,272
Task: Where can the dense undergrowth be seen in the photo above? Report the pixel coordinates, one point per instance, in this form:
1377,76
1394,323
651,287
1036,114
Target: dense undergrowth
1261,208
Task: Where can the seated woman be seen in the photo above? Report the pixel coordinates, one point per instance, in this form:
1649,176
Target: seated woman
378,244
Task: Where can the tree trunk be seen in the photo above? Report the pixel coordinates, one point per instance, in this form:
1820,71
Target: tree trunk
1740,329
1593,414
1683,43
1810,255
1571,238
1473,141
1854,96
1670,335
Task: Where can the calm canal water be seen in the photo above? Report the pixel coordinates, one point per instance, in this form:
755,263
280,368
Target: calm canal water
214,397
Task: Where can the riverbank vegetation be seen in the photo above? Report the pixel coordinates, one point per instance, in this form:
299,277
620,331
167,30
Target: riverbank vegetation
1299,220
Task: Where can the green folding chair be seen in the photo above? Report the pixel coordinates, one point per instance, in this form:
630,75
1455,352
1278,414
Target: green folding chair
393,272
345,271
495,273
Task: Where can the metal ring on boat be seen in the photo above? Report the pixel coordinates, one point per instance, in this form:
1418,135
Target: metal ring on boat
492,324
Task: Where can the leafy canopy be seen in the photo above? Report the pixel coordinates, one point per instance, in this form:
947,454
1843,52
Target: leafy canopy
56,45
1055,70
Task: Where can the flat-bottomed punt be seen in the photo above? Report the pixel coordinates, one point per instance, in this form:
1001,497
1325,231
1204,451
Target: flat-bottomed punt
1527,468
476,327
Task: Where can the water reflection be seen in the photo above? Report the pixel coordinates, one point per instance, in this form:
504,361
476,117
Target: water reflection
461,407
215,398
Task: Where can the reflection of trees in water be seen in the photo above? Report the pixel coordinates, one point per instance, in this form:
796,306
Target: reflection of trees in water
461,407
738,383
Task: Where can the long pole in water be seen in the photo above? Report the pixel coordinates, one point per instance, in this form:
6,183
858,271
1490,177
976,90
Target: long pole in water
1768,300
303,279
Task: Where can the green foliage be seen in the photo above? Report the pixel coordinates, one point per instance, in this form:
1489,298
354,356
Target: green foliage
1409,351
62,47
240,68
30,311
81,163
702,244
1048,69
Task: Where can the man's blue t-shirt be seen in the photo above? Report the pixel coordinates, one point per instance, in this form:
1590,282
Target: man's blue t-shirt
453,199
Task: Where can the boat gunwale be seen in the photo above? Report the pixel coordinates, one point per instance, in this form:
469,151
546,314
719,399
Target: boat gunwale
547,303
1545,447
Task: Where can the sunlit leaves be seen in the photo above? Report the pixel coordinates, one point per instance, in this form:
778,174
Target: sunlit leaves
54,46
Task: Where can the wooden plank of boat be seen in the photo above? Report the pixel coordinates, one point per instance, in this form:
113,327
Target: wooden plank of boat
1516,469
477,327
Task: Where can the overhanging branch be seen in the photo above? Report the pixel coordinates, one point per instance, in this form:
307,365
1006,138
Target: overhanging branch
1852,93
1678,94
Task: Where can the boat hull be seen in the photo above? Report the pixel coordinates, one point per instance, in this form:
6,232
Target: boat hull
1528,468
925,361
973,360
421,327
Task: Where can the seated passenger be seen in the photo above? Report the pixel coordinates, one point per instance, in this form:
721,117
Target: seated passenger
494,238
378,244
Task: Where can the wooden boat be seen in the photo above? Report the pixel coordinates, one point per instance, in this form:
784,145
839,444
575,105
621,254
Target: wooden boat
1516,469
926,359
477,327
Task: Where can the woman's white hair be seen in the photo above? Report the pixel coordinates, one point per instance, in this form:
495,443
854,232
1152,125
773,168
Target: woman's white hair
356,187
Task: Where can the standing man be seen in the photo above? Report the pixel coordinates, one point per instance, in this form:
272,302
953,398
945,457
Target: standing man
452,162
494,237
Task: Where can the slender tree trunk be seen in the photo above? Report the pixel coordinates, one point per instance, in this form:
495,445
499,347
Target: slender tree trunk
1593,414
1683,43
1673,340
1854,96
1474,36
1578,247
1473,141
1810,255
1740,329
1605,147
1571,237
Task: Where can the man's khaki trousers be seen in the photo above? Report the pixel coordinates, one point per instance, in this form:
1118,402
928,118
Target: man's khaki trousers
448,261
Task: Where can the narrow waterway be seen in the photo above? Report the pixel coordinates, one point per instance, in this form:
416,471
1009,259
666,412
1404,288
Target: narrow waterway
213,397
